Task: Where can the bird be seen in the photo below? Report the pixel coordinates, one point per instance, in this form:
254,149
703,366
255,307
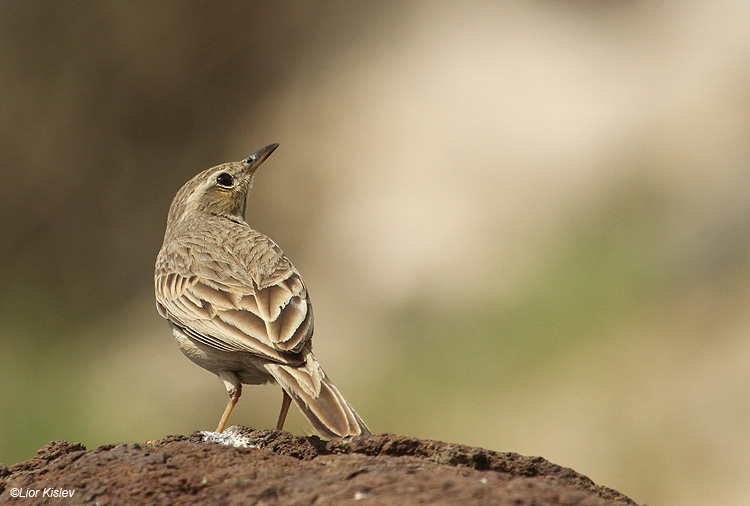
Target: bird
237,306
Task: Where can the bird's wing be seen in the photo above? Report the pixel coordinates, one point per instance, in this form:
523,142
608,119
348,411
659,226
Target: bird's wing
235,301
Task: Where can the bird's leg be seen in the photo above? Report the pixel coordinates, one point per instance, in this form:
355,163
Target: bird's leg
234,388
285,402
234,396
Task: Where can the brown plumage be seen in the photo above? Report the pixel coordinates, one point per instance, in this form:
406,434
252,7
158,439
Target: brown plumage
237,306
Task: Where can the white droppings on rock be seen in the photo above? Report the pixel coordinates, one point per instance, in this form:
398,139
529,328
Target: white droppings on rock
361,495
230,437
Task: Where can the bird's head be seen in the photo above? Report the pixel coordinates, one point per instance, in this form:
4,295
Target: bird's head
218,191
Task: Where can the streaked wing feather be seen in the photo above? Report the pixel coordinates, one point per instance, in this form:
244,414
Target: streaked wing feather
273,322
289,313
218,297
246,321
293,325
205,339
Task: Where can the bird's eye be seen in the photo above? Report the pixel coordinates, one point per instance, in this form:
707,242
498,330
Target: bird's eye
225,180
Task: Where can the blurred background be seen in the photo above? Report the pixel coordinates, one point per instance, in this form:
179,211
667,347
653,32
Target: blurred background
524,225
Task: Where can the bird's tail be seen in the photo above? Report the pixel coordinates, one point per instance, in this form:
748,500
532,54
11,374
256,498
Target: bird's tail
318,398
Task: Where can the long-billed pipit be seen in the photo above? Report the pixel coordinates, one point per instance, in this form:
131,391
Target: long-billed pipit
237,306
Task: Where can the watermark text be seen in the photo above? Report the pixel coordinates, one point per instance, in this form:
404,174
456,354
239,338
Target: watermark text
42,492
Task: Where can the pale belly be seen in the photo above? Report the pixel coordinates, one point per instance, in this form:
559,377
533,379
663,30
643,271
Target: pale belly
246,366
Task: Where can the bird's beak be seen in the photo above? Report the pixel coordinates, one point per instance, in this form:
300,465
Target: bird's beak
256,159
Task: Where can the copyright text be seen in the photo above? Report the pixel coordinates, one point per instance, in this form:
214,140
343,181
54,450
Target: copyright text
44,492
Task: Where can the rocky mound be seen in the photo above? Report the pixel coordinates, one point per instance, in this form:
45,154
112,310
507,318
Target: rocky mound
265,467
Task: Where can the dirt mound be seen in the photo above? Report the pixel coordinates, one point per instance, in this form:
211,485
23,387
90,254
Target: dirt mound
265,467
